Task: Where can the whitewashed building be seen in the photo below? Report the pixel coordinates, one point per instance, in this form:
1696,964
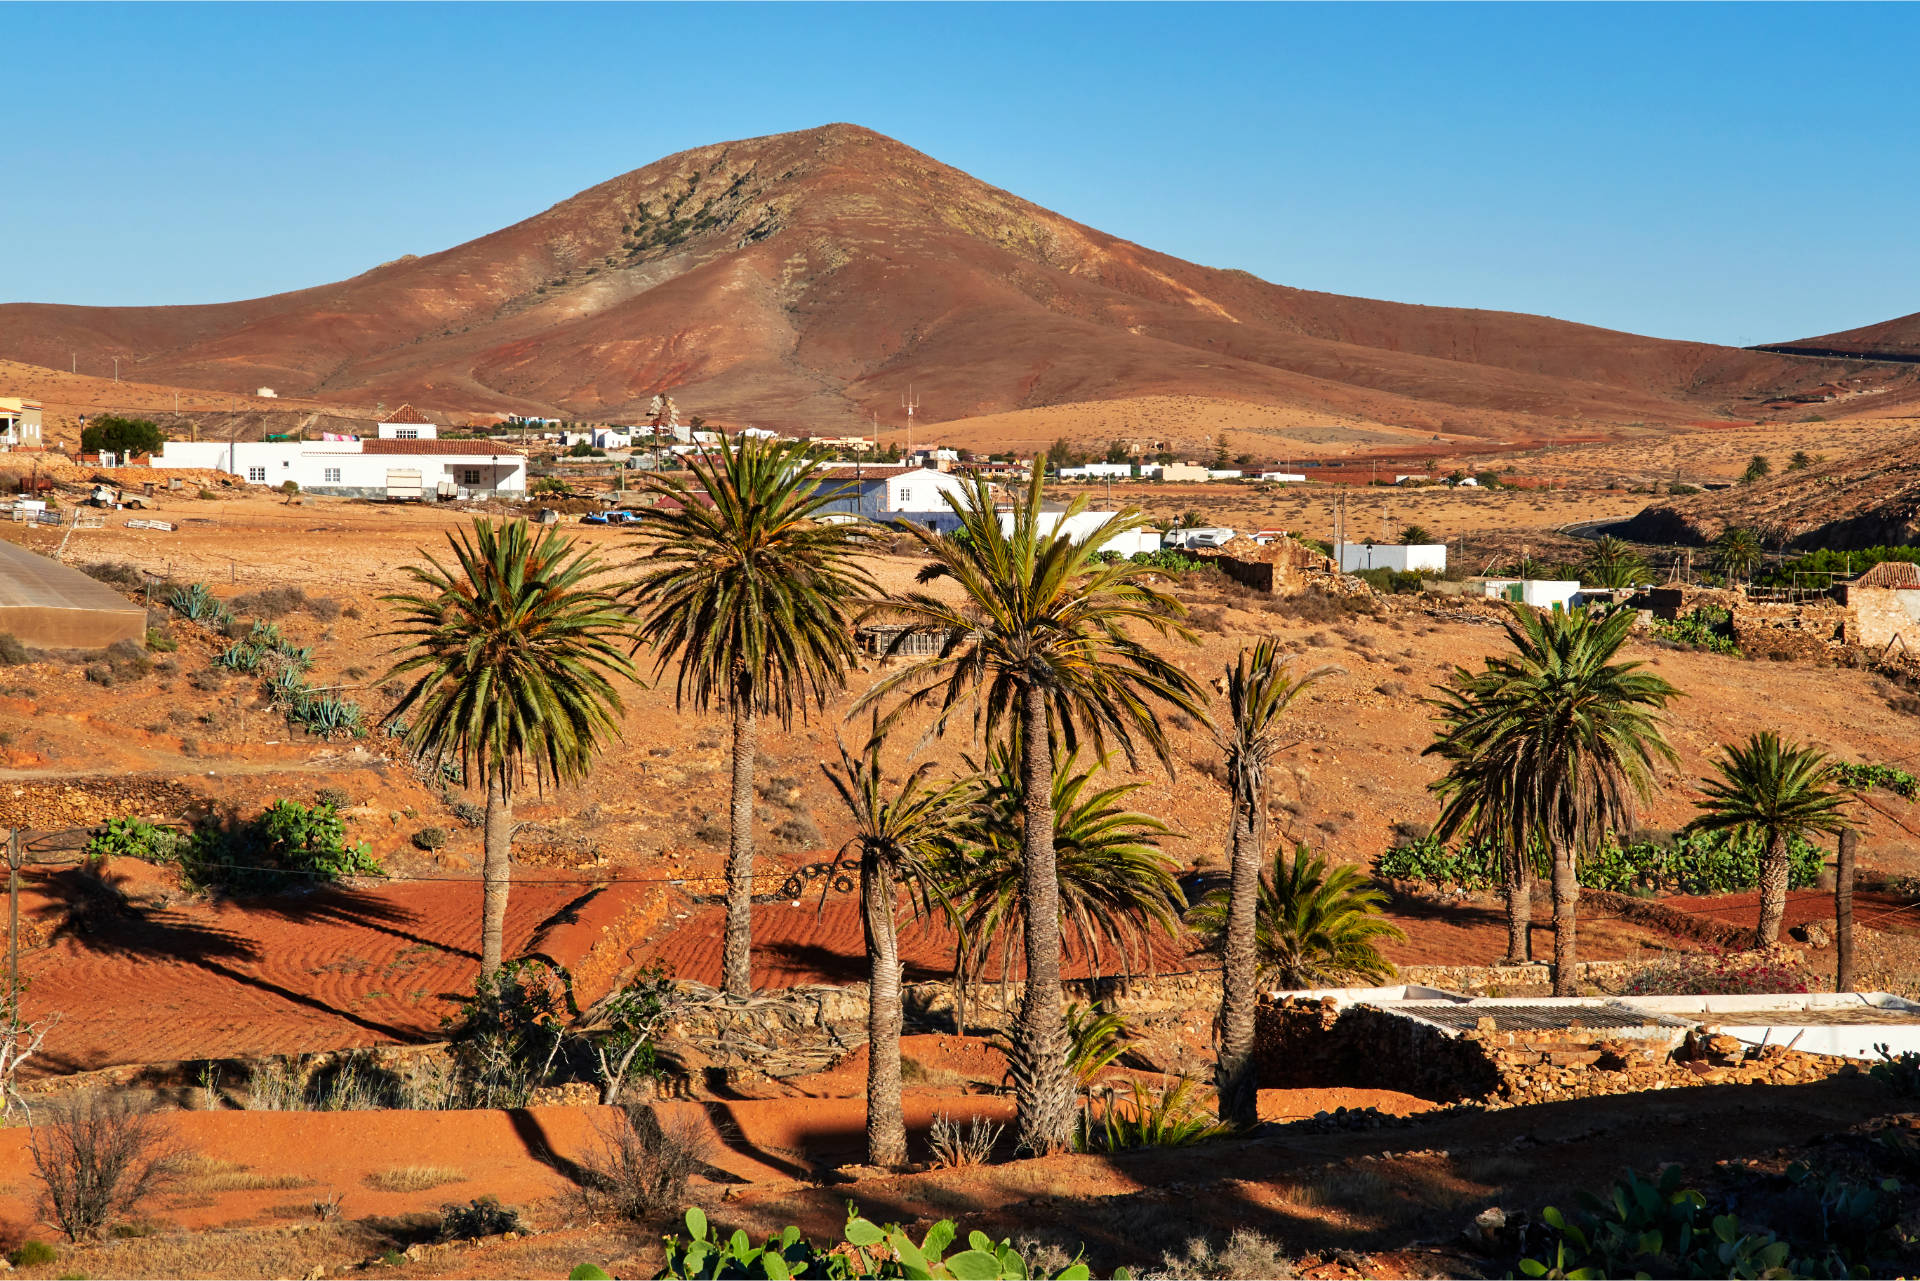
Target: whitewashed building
1400,557
1089,525
916,494
361,468
1541,593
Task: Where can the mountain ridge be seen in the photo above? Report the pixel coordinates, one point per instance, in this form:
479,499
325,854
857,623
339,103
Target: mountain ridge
805,280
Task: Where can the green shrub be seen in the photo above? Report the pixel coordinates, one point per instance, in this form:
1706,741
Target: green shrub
137,838
1860,778
196,603
869,1250
12,652
430,839
1692,863
1172,1118
1708,628
1393,582
1473,864
1900,1071
159,642
110,433
32,1254
480,1217
314,840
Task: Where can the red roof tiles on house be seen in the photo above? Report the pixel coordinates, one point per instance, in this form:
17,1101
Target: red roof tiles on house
407,414
1890,573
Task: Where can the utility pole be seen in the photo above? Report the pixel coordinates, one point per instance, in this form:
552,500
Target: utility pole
116,369
911,404
13,929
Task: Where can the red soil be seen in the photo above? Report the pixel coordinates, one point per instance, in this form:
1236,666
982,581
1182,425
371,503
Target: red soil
293,974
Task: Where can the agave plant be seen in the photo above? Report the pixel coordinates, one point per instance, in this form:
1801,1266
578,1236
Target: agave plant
196,602
240,657
1173,1117
1316,925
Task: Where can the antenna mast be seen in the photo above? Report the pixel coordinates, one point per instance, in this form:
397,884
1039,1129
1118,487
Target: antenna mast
911,404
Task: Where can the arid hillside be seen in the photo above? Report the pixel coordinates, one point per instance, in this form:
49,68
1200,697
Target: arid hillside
1867,500
1897,339
806,280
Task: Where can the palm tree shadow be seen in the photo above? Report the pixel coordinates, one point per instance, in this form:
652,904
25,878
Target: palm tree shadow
99,919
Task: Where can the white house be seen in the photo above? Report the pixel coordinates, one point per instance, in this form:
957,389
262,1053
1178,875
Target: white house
1401,557
360,468
1287,477
916,494
1224,473
612,438
1541,593
1098,471
1209,536
1085,525
20,422
407,423
267,393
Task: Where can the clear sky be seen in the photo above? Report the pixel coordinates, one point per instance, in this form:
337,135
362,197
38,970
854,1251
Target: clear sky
1728,172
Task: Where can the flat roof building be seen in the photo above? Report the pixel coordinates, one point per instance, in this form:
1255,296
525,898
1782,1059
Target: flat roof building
48,606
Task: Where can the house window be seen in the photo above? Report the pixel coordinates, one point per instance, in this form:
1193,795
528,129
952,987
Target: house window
332,475
406,433
470,476
906,497
258,475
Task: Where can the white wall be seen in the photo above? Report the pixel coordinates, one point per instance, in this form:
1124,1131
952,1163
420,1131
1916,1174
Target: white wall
409,431
1541,593
1401,557
325,465
923,490
1291,477
1087,525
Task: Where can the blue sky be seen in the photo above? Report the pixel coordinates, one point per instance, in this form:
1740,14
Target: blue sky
1732,173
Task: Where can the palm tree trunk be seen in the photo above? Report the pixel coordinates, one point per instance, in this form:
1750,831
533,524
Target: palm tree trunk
1043,1088
737,949
886,1126
1566,898
1843,910
1234,1075
497,875
1773,890
1519,910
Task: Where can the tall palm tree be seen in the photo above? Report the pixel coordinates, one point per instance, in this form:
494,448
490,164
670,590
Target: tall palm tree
901,833
1574,736
513,656
1477,798
1316,925
1259,689
1773,792
755,599
1041,644
1736,552
1116,886
1612,563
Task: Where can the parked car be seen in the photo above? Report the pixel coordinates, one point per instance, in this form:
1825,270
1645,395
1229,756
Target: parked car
594,518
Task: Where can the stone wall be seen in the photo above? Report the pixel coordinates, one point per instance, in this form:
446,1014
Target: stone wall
1802,633
1883,613
1310,1043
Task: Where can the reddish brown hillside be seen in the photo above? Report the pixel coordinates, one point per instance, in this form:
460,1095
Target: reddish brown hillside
1897,339
804,279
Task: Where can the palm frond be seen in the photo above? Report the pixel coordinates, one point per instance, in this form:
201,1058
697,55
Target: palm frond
1315,925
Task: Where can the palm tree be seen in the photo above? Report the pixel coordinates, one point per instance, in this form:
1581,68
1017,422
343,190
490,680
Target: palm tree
1612,563
1415,536
513,656
1562,739
1040,645
1736,551
1759,467
1476,798
1115,883
1317,925
1259,690
1773,792
901,834
755,599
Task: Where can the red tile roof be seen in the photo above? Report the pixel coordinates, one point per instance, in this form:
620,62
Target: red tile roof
407,414
1890,573
467,448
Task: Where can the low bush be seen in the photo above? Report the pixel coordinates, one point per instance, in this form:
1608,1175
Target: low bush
1860,778
99,1160
1899,1071
12,652
1392,582
1704,628
868,1250
116,573
137,838
430,839
1171,1118
954,1146
1690,863
288,844
32,1254
480,1217
1688,974
639,1165
160,642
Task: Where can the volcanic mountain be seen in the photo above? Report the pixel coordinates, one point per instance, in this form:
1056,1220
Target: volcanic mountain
1897,339
806,280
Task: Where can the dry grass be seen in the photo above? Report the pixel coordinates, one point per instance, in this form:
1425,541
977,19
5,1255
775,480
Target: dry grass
414,1178
208,1174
